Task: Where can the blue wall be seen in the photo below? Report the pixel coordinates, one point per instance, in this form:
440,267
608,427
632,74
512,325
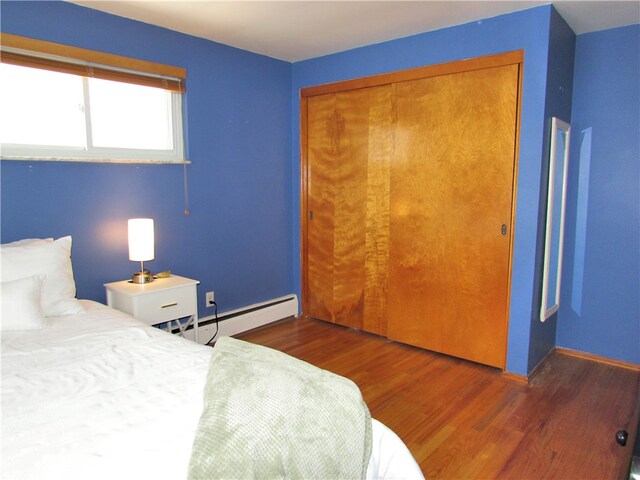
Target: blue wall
562,41
237,240
600,302
527,30
242,238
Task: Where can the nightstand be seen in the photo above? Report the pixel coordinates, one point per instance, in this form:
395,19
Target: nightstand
164,300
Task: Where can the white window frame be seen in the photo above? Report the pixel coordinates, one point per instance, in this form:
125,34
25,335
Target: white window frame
93,154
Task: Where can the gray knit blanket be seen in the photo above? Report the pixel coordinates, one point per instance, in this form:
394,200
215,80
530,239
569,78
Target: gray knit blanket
268,415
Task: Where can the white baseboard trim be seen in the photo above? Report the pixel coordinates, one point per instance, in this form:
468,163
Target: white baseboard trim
246,318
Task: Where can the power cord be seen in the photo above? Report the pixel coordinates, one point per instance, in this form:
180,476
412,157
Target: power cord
215,314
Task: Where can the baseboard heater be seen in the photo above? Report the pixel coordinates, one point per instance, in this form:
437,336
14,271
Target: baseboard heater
243,319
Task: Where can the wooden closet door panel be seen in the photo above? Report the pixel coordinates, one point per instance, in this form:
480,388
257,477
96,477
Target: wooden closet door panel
451,192
348,151
349,127
381,132
320,203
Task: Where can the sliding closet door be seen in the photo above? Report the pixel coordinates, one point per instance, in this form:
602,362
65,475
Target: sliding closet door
347,153
452,178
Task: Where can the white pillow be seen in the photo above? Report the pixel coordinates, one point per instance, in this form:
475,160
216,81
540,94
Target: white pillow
28,241
21,304
53,259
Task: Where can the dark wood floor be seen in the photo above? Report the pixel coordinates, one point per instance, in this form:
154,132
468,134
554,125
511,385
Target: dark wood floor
463,420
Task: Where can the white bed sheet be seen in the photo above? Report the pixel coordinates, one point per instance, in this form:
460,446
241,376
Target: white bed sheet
101,395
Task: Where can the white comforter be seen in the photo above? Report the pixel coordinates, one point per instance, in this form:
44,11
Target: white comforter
101,395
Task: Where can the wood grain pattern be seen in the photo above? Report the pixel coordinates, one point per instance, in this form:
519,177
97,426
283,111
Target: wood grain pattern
349,127
320,185
465,420
410,184
348,160
377,221
447,68
304,203
451,192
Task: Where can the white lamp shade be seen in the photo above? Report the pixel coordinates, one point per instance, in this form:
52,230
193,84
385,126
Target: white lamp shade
141,241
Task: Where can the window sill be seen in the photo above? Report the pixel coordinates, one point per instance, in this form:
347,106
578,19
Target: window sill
98,160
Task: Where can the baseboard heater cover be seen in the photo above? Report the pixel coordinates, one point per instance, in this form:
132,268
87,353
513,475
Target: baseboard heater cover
244,319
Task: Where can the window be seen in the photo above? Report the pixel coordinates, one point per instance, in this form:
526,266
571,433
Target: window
60,108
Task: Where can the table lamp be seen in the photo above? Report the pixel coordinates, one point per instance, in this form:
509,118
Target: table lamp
141,247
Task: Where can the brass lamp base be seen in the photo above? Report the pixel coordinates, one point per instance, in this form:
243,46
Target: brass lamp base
145,276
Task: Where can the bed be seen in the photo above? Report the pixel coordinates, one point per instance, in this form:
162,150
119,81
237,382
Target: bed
90,392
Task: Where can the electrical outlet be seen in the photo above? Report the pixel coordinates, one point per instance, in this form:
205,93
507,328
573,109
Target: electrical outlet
209,299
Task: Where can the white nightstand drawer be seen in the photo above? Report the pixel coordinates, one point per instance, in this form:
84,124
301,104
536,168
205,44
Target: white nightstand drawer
159,307
165,300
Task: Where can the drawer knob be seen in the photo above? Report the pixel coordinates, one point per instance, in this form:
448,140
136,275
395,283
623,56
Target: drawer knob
169,305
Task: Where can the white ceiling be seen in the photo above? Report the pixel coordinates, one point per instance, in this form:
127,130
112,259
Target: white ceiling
297,30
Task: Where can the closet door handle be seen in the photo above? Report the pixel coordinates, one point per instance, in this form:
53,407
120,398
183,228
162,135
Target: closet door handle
311,215
504,229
